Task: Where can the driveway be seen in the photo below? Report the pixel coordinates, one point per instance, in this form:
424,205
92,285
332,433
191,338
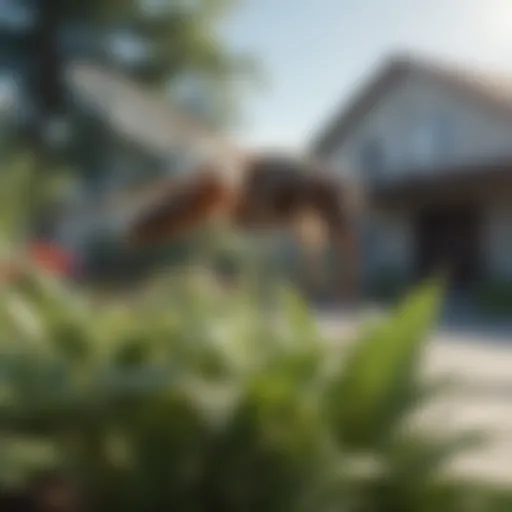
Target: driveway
479,358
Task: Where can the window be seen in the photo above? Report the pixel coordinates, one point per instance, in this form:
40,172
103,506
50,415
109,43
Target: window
373,158
432,140
423,144
443,136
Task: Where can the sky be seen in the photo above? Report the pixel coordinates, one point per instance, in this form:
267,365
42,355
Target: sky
314,54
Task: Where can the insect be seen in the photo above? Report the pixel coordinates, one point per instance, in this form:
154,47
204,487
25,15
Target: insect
252,192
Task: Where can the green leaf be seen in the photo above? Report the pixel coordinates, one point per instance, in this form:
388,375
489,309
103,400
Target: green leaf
380,368
299,317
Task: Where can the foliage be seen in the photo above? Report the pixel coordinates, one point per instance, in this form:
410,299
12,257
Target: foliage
191,398
175,44
181,48
197,400
172,40
110,260
184,42
495,298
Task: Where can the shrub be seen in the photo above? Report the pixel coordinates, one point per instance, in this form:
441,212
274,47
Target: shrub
109,260
495,298
197,401
191,400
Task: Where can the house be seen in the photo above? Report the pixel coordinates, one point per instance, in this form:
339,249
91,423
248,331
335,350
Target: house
432,146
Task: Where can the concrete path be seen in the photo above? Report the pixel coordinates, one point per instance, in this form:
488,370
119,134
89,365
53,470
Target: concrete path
480,360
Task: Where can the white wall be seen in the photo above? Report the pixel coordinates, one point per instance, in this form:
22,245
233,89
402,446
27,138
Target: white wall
478,132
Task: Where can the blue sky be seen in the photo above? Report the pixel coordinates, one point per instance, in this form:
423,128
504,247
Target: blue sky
314,53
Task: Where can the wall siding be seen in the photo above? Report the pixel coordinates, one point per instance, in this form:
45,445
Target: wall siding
479,133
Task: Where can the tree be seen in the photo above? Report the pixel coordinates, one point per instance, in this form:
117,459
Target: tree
167,43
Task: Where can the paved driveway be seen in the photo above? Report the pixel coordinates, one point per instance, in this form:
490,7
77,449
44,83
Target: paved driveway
480,359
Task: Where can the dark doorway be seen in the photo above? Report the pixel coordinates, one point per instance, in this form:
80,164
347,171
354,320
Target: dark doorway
449,239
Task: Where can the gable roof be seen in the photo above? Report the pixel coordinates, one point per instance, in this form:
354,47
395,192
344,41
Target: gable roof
493,93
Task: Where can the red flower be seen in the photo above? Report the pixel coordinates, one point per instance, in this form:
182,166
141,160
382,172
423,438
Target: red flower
53,259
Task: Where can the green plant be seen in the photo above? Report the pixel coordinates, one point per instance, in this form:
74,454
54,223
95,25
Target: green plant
194,400
495,298
109,260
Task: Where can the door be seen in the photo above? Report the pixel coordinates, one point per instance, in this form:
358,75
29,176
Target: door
449,239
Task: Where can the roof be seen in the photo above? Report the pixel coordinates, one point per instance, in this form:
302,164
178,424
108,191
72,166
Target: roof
492,178
492,92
